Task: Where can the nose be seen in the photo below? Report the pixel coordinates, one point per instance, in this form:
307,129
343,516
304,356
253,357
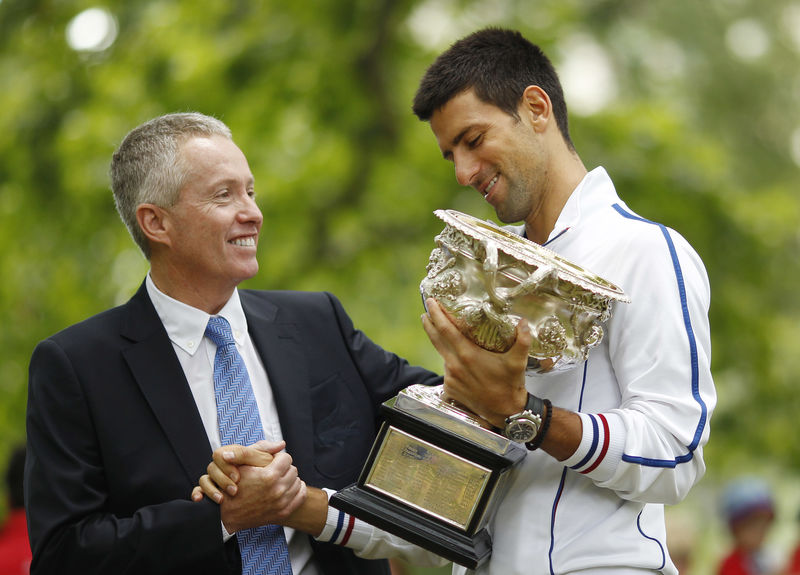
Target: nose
466,168
249,210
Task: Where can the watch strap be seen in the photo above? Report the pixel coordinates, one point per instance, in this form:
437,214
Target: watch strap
535,405
536,442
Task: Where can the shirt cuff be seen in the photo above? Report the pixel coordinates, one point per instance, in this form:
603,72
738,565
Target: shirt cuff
601,446
225,534
343,529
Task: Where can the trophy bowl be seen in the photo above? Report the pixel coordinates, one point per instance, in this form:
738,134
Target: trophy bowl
488,278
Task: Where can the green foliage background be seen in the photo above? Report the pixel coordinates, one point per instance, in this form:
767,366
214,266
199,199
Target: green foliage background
318,96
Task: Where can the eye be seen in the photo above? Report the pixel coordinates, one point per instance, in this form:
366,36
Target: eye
475,142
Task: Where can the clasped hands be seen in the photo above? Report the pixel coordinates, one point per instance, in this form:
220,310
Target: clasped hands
254,485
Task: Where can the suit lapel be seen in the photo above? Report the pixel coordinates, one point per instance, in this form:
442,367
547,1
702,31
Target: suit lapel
159,374
280,349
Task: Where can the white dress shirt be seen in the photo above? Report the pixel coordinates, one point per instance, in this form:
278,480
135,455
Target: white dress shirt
186,326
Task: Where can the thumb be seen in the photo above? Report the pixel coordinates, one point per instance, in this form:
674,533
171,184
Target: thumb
267,446
522,344
259,454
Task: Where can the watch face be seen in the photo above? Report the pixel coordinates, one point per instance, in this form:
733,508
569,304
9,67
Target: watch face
521,430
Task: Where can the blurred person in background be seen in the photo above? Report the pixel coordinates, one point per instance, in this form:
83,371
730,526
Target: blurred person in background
399,567
15,551
793,566
681,541
748,509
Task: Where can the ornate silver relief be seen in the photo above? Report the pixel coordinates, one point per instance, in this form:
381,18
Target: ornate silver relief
488,279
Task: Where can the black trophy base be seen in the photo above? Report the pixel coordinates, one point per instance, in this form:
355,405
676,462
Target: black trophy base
397,519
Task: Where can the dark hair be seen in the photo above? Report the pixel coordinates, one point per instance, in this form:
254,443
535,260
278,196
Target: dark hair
498,64
14,475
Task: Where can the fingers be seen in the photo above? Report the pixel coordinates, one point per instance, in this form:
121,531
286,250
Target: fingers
283,475
433,334
446,337
429,326
488,383
262,494
298,498
523,341
281,466
439,317
271,447
228,457
266,494
223,472
441,330
222,481
208,488
225,459
291,498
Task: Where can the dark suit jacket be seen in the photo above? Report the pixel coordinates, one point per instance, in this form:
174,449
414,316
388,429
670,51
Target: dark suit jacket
115,442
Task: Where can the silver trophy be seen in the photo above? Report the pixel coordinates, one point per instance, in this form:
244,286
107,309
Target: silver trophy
488,278
435,475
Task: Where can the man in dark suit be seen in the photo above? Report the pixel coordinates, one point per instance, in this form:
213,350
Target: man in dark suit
122,417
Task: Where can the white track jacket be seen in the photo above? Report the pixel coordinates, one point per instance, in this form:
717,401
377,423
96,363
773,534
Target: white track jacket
645,396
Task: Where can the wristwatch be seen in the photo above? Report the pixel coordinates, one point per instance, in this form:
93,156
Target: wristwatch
524,426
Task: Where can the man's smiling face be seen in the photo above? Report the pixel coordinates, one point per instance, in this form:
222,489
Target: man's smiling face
495,153
214,225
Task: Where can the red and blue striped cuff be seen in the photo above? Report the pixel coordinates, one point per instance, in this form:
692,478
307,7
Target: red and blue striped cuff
344,528
599,440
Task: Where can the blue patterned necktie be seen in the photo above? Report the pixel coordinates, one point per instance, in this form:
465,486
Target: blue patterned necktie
264,550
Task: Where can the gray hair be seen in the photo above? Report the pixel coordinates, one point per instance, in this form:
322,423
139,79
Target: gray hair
147,168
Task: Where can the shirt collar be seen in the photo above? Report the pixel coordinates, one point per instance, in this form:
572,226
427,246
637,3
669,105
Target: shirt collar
186,325
582,199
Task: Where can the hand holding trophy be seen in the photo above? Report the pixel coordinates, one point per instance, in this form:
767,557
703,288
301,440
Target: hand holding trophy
435,472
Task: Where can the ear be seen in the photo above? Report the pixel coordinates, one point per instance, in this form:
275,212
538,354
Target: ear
537,107
154,222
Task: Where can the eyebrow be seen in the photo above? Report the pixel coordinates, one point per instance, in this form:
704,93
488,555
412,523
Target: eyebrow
226,181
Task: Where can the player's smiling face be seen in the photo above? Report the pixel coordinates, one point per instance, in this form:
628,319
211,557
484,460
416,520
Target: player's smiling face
497,154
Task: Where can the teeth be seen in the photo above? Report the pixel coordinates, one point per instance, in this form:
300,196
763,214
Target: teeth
249,242
491,184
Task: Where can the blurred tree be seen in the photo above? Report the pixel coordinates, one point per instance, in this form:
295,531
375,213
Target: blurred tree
691,106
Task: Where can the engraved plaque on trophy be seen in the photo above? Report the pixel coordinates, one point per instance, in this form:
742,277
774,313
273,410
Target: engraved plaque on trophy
434,475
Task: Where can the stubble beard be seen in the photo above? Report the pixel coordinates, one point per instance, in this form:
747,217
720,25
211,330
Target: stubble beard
516,206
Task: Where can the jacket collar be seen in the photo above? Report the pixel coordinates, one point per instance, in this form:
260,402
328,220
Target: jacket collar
160,377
